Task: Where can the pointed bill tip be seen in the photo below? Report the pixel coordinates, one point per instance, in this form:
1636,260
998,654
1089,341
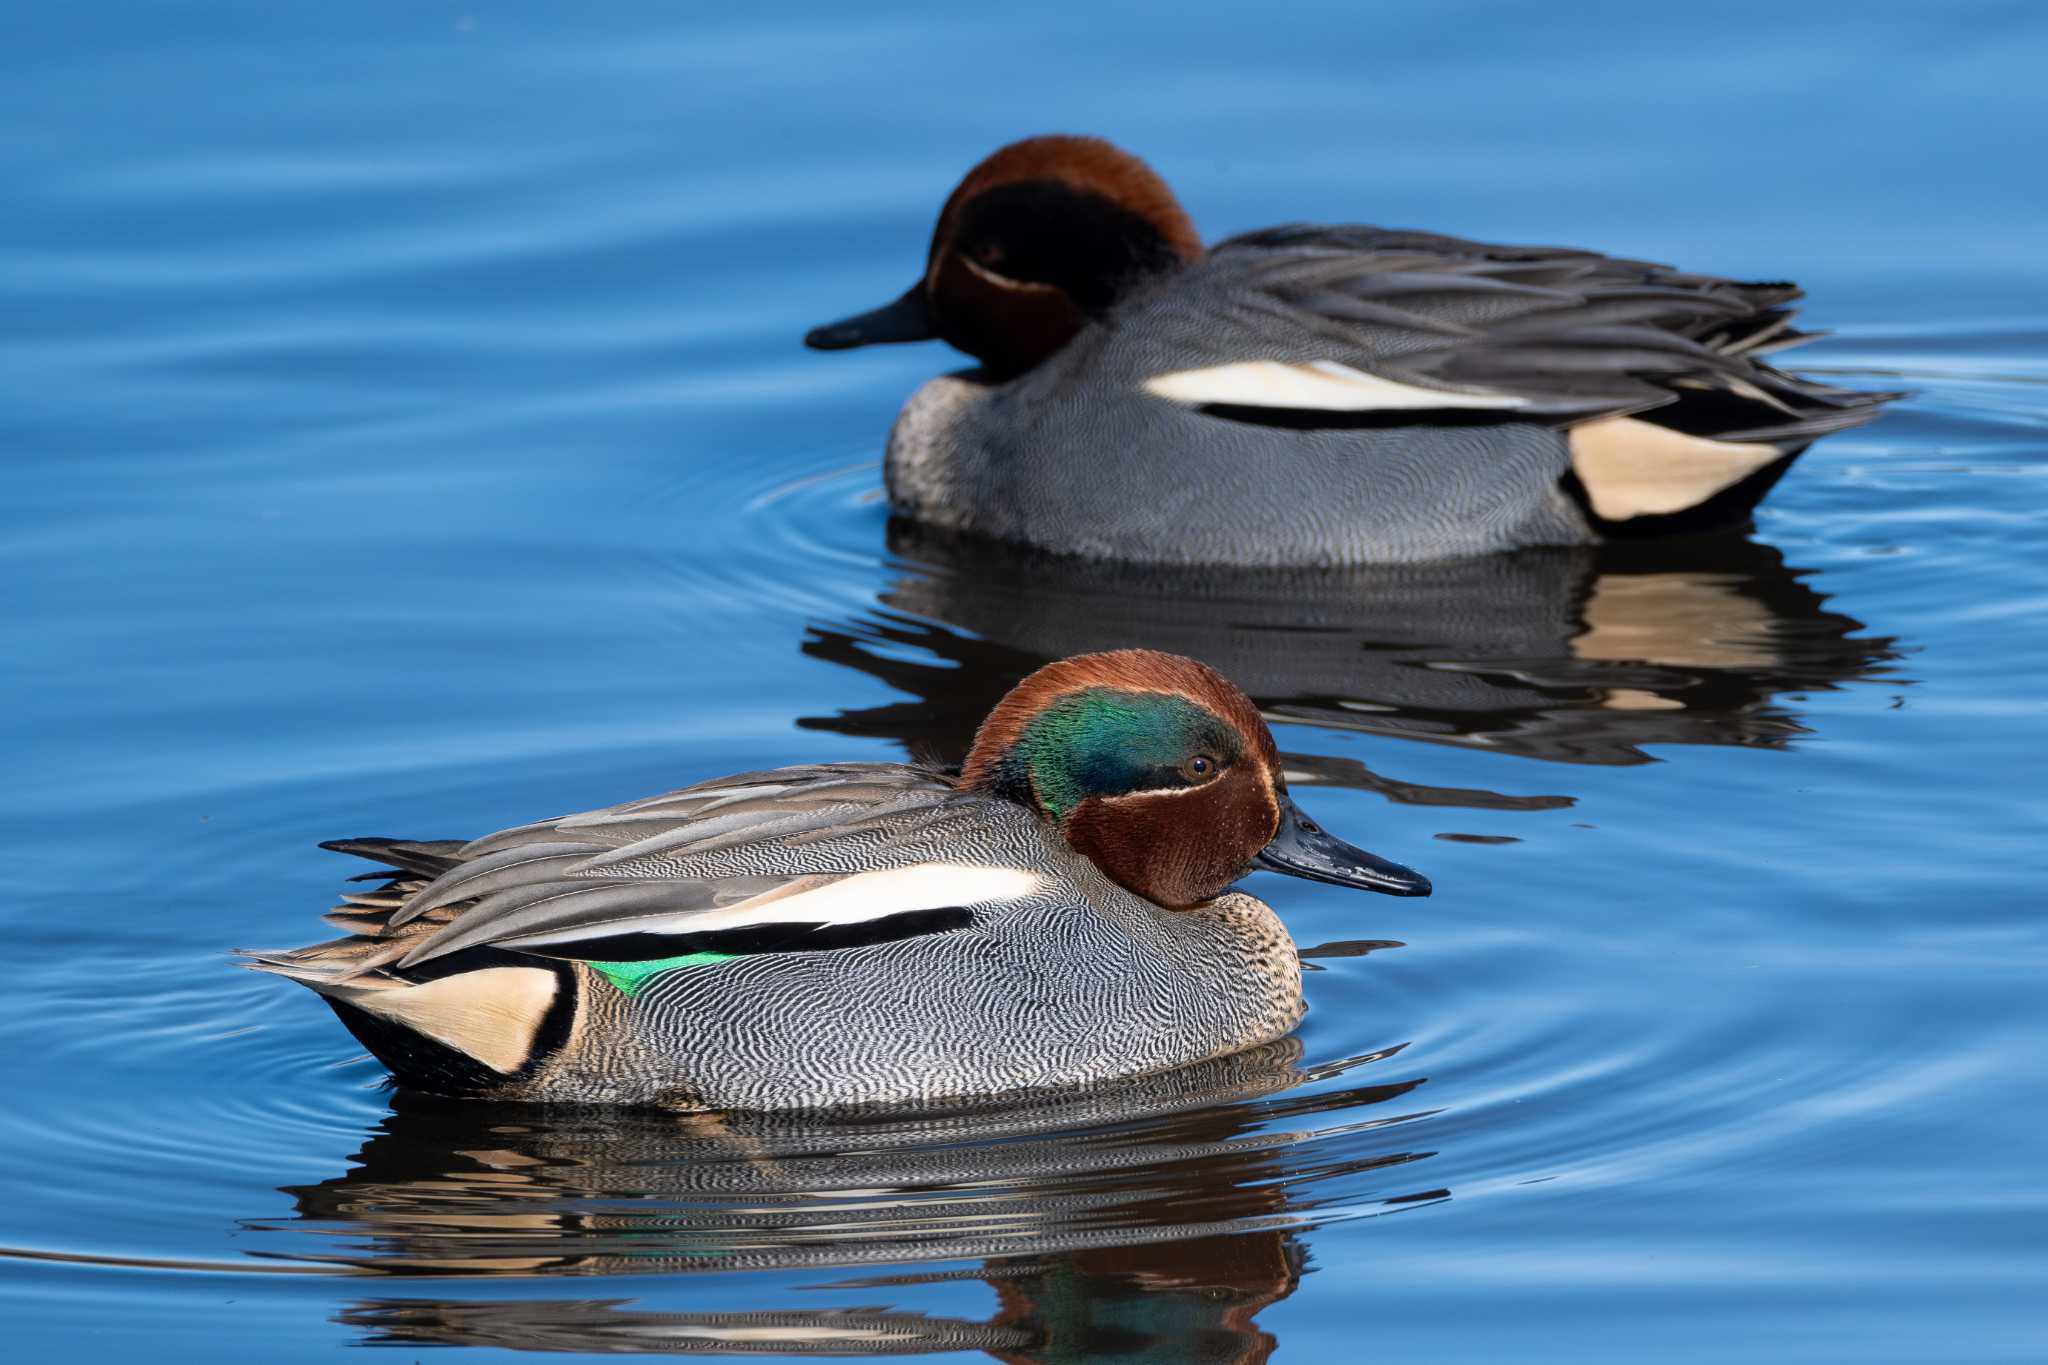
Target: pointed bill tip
1302,848
906,319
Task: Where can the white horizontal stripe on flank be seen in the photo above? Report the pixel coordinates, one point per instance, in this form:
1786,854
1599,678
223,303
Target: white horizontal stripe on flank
713,1332
1318,385
849,900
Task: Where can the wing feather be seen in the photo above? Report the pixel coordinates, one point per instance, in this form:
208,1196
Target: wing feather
519,865
1360,319
830,845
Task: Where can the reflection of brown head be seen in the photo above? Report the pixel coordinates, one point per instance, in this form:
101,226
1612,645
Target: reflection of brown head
1192,1300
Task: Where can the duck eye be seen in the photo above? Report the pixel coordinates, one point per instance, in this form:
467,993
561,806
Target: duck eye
1200,768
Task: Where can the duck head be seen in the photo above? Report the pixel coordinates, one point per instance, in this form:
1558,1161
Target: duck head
1039,238
1162,773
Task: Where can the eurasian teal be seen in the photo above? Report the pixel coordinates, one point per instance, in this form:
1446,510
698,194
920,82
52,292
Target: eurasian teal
1310,395
1060,913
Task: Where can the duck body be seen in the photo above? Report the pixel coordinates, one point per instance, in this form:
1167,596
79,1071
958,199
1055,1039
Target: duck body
1309,395
1076,457
849,934
1053,976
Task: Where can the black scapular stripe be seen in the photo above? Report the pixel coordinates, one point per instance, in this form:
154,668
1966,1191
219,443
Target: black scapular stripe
761,938
1370,419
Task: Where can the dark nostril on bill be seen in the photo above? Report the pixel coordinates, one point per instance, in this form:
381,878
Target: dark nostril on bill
1310,827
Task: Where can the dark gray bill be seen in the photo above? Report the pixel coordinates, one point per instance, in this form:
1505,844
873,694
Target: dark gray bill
1303,849
907,319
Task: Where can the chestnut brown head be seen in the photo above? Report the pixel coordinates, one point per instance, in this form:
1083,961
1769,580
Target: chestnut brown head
1038,239
1162,773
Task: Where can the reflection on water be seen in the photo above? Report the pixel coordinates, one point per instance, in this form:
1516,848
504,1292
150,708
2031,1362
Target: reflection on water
1192,1300
611,1326
1223,1146
1579,656
1158,1215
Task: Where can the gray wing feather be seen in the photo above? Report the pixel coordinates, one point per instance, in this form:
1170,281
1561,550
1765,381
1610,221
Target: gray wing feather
565,909
700,848
1574,334
520,865
665,808
826,841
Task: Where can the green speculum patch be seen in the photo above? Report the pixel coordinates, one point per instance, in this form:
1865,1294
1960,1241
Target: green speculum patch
632,977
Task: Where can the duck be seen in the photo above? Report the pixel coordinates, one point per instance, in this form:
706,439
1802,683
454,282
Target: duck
1060,912
1314,395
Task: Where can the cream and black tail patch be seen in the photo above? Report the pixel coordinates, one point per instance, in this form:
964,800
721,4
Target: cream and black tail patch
492,1014
1631,468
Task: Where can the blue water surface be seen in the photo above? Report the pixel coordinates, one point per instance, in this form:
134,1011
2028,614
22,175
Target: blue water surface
409,435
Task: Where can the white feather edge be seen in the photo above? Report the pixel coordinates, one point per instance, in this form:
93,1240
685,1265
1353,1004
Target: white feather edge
857,899
1316,385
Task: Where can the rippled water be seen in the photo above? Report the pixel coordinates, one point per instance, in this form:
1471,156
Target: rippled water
410,437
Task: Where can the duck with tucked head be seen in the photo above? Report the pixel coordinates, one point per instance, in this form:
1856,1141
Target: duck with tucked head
1060,913
1310,395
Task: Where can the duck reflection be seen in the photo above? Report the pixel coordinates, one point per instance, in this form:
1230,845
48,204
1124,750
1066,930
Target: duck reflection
1194,1300
1155,1219
1582,655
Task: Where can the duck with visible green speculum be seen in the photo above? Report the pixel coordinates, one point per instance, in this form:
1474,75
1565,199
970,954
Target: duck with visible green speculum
1061,913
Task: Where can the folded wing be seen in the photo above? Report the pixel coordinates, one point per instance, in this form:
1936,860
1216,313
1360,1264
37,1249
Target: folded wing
1353,321
794,857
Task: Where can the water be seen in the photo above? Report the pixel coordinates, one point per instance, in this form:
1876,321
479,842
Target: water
410,436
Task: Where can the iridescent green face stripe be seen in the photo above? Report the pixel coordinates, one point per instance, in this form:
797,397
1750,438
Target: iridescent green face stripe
632,977
1102,742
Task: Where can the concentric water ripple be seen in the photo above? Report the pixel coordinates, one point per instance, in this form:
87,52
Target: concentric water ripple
1445,1074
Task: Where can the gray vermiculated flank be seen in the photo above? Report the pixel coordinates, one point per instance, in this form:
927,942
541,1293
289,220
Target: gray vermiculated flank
1045,992
1074,457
